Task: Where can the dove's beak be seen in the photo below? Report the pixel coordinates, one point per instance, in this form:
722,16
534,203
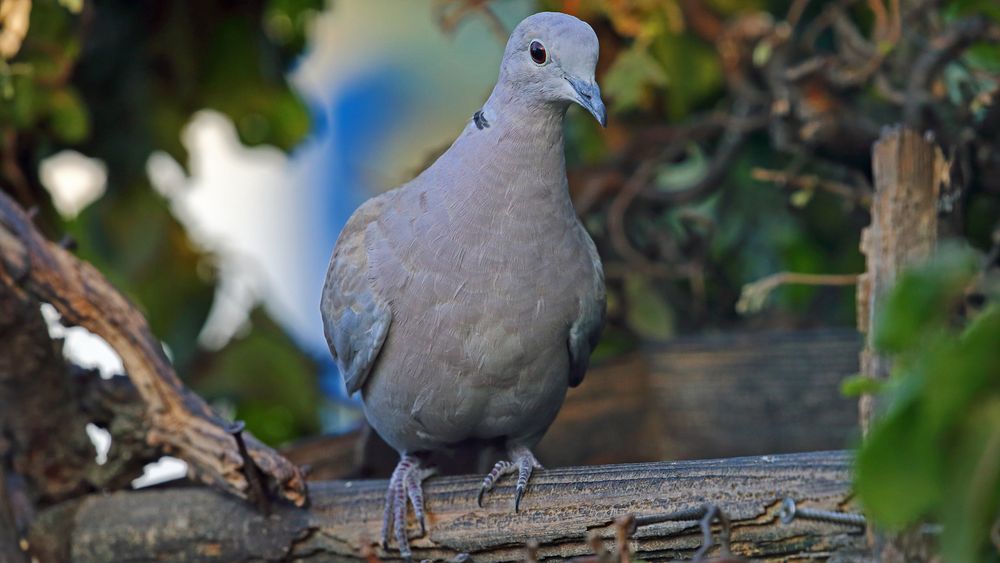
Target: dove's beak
588,95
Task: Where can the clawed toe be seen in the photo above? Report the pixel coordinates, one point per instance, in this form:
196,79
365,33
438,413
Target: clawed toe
499,470
518,493
523,464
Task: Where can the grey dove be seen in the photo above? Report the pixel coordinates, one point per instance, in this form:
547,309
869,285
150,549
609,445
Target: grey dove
464,303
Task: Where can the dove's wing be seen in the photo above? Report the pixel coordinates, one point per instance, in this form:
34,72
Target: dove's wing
355,319
586,329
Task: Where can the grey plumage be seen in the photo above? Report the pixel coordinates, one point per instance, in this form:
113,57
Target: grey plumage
463,303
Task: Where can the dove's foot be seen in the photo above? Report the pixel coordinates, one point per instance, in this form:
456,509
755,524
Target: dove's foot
523,462
406,482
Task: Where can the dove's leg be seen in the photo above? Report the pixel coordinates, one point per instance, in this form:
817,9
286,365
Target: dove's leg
522,462
406,482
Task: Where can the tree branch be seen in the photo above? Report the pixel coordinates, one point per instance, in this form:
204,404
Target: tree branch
179,421
561,507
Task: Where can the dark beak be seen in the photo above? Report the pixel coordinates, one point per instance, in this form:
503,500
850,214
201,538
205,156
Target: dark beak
588,95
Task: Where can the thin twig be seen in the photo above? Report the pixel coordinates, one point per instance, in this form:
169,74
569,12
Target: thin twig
254,476
754,294
857,195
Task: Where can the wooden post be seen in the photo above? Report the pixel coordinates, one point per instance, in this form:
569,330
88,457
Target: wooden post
908,170
904,230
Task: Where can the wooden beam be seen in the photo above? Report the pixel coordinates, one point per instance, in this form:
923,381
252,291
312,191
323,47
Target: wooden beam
562,505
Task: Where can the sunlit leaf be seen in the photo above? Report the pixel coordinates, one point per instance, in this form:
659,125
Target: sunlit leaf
629,78
857,385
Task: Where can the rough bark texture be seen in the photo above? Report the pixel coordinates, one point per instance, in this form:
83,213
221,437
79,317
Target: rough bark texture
42,424
909,171
907,168
10,549
179,421
344,517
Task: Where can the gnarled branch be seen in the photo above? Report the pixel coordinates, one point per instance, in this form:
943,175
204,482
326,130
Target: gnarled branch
179,421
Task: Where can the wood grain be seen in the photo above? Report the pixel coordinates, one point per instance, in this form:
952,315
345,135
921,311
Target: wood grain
561,506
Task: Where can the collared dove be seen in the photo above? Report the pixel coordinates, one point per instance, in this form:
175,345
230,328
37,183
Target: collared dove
465,302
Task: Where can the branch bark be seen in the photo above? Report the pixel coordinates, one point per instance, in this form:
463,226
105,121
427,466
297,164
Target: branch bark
179,421
43,425
561,506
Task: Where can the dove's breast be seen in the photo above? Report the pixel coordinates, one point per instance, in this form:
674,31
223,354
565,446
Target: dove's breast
484,291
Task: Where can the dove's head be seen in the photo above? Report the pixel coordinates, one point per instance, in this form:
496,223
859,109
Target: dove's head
550,59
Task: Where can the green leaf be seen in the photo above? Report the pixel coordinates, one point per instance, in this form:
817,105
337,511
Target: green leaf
899,471
693,69
648,313
801,198
858,384
959,8
70,122
959,370
762,53
74,6
684,174
630,76
974,489
922,299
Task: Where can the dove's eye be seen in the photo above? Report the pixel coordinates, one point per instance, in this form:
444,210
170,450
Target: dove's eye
538,53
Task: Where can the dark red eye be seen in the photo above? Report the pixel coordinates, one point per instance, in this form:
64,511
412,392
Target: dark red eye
538,53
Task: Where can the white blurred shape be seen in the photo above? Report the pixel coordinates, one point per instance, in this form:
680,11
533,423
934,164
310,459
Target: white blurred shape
81,346
166,469
101,439
237,205
73,180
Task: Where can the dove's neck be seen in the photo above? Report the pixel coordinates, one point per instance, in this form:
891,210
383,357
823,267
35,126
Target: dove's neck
531,124
516,149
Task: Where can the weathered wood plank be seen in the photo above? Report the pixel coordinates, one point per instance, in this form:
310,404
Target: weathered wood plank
753,393
560,507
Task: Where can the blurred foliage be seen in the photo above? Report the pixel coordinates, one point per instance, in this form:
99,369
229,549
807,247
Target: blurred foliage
934,455
118,81
266,382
